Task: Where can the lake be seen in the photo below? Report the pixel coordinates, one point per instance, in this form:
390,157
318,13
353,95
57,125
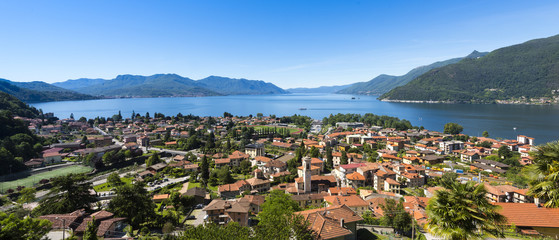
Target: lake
505,121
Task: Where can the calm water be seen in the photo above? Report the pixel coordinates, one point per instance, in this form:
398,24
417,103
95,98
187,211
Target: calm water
541,122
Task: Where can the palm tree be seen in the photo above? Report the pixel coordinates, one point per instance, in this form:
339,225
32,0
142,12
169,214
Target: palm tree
545,184
461,211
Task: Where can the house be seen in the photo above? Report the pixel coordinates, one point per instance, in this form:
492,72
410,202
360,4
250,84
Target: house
156,167
254,202
449,146
224,211
233,189
35,163
525,140
354,202
530,218
491,166
521,196
309,199
52,157
391,185
318,183
343,191
77,221
355,180
191,167
254,150
335,222
432,159
199,194
258,185
500,193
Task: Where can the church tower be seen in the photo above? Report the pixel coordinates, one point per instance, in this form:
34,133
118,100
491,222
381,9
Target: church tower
307,174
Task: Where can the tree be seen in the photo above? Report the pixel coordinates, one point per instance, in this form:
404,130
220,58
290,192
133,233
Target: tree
504,152
395,215
314,152
343,159
14,228
27,195
133,201
329,158
485,134
91,230
153,159
461,210
453,128
224,175
67,194
71,115
278,221
114,180
205,169
545,185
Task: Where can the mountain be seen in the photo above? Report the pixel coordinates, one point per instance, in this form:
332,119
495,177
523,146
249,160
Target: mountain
323,89
169,85
530,70
40,92
233,86
384,83
79,83
16,106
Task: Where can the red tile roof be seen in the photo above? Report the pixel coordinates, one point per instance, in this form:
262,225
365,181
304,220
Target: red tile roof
529,215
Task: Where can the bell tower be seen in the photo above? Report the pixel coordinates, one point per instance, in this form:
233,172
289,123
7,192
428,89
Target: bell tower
307,174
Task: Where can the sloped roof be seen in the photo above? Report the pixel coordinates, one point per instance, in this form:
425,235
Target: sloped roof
325,222
350,200
529,215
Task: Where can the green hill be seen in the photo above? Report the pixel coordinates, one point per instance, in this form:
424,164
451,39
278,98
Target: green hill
384,83
16,107
168,85
17,143
40,92
527,70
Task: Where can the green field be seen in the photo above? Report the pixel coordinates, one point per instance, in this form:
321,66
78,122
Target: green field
106,187
31,180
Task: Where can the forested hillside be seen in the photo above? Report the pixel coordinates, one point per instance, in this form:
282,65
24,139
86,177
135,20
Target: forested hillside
384,83
529,70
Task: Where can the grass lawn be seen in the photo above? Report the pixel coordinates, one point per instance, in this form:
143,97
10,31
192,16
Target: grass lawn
31,180
106,187
197,184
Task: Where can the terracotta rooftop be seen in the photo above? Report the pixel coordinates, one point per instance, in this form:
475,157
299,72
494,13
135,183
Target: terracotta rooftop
351,200
529,215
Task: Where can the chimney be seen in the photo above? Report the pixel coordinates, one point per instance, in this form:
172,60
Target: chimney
342,222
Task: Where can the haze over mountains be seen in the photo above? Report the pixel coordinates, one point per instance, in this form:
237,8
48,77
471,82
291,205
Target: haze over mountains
169,85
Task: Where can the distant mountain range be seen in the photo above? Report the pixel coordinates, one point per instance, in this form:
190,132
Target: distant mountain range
529,70
384,83
323,89
169,85
40,92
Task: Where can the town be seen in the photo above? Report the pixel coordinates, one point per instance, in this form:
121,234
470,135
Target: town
346,176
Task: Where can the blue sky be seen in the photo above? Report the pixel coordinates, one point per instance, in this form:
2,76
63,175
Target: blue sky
288,43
